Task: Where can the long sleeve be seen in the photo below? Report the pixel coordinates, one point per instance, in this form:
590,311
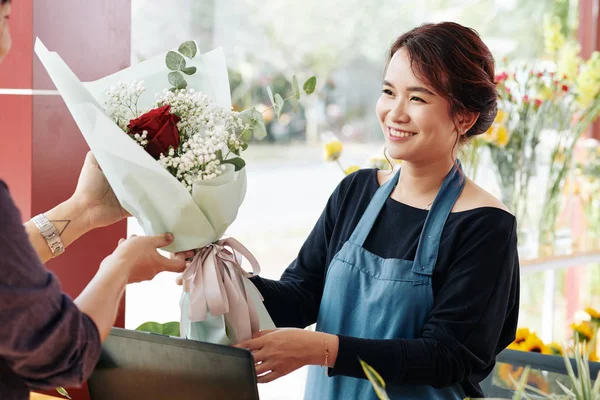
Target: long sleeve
293,300
45,340
473,318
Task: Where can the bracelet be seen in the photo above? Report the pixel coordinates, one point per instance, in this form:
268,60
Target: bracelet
50,234
326,354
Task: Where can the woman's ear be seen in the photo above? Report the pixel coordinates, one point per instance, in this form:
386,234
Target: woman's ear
466,121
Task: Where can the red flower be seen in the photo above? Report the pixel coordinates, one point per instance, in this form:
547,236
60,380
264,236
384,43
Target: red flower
501,77
525,99
161,128
538,103
565,88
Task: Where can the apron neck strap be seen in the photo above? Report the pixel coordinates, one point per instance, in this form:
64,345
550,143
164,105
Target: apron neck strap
429,242
367,220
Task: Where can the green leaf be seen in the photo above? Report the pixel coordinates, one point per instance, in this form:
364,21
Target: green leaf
294,103
237,162
219,155
172,89
153,327
295,87
254,118
278,104
310,85
375,379
270,95
171,329
168,328
188,49
245,146
177,80
189,70
246,135
233,149
63,392
174,61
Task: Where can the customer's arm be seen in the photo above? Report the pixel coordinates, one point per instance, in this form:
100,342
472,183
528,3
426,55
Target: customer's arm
93,205
46,339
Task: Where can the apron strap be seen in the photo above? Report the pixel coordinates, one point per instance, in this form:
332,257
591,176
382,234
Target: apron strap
368,218
429,242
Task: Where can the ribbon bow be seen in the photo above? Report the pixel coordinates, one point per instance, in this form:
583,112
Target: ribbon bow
214,280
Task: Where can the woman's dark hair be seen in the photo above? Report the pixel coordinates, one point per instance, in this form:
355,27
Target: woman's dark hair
3,2
457,65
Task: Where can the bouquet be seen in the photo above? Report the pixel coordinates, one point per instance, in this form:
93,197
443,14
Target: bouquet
166,137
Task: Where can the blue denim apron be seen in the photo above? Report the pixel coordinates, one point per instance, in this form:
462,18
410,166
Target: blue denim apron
367,296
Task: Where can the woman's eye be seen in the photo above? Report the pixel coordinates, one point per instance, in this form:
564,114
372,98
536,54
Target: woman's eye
388,92
417,99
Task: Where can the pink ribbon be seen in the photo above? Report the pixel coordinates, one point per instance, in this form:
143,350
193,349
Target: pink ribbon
214,280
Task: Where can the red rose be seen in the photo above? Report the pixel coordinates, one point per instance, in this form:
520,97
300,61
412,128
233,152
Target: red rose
161,126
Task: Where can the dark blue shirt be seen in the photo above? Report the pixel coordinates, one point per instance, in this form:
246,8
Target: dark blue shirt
45,341
475,285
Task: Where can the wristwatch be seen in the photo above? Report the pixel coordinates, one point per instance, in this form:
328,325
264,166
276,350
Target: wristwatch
49,233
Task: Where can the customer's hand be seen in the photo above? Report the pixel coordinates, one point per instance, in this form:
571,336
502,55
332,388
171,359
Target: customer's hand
95,197
137,257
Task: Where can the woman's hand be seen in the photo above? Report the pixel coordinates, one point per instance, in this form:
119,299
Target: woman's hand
139,259
280,351
95,197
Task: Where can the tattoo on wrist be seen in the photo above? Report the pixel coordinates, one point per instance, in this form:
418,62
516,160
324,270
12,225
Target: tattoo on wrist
61,225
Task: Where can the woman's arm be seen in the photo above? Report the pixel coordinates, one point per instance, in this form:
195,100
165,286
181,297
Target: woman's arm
93,205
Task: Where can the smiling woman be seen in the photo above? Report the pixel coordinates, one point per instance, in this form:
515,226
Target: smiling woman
426,296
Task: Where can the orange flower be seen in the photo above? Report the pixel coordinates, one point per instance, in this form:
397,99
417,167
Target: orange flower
535,345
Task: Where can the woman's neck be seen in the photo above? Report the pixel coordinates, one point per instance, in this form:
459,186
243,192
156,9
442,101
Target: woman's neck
419,183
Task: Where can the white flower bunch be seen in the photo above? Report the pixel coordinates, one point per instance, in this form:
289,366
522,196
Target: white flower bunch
121,102
208,133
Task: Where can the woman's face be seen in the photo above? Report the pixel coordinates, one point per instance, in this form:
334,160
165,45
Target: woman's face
5,40
415,121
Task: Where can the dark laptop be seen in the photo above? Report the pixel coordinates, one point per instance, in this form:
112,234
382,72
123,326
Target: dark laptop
140,365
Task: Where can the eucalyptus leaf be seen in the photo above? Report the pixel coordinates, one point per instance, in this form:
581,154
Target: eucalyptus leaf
245,146
174,61
310,85
189,70
63,392
246,135
294,103
237,162
259,131
254,118
278,104
233,149
177,80
188,49
296,88
270,93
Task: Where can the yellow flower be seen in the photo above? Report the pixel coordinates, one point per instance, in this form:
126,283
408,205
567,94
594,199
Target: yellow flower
502,136
521,335
546,93
569,61
556,348
584,329
593,313
351,169
515,346
497,134
535,345
588,81
553,38
333,150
